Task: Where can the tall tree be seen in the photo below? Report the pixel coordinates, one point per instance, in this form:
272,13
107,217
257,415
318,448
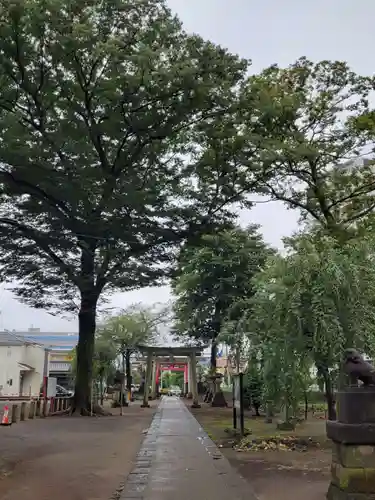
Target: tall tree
132,327
113,125
315,124
316,302
211,277
103,367
103,362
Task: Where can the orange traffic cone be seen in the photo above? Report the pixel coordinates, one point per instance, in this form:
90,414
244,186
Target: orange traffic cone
5,420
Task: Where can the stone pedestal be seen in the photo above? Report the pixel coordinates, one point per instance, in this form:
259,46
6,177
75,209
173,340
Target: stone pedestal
210,389
218,399
353,436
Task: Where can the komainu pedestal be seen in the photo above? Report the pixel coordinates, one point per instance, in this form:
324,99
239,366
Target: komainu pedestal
353,436
218,399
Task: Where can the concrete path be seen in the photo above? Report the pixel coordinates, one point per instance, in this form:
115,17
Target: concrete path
178,461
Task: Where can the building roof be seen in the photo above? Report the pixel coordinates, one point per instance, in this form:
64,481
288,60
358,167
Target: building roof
38,333
11,339
54,340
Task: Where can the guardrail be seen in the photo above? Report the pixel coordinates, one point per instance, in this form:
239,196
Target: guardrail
18,398
21,409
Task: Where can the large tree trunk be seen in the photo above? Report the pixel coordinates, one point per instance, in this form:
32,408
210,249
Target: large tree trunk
329,393
306,400
128,371
210,390
323,371
215,397
101,390
142,384
85,352
123,361
331,403
213,355
86,329
256,405
123,400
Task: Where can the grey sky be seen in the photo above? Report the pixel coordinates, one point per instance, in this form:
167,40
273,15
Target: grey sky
267,32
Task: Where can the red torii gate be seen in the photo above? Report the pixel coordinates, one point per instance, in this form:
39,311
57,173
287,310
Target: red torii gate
154,363
172,367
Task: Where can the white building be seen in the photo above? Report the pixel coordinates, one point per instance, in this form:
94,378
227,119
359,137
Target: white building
21,366
60,345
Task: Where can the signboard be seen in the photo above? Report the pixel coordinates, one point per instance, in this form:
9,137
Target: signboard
61,357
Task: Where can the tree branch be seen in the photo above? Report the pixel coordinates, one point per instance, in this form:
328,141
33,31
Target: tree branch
295,203
359,215
39,239
33,189
361,190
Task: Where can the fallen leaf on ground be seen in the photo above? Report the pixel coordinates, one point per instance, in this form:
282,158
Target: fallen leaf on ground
276,443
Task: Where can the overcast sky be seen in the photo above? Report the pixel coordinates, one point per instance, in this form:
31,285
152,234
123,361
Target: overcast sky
267,31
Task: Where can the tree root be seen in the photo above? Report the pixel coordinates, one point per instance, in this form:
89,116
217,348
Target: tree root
60,413
97,411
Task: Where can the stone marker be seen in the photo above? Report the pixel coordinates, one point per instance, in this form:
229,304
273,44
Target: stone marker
353,436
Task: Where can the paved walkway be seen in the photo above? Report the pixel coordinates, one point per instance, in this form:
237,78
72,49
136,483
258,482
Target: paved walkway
178,461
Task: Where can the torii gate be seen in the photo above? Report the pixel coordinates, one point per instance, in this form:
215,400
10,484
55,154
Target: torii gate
168,354
178,366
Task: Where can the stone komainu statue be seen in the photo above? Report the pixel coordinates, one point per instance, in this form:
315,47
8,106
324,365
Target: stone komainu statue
357,368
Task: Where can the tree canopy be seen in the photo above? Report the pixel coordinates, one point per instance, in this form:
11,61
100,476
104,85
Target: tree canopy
125,143
314,127
116,132
131,328
211,277
99,103
312,304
